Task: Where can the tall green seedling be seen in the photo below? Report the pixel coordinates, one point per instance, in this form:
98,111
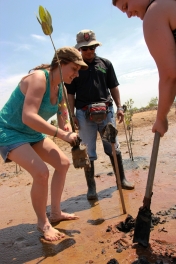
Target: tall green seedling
45,20
128,113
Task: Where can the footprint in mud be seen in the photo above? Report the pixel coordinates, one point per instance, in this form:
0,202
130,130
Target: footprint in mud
110,173
113,261
101,173
10,221
3,175
97,221
142,260
20,243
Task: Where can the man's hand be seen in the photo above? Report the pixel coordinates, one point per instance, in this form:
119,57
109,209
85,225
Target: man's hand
161,126
120,115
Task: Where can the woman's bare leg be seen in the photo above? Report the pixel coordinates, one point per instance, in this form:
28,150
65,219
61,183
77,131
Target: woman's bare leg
27,158
57,159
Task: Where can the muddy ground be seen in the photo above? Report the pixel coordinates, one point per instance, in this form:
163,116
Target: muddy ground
94,238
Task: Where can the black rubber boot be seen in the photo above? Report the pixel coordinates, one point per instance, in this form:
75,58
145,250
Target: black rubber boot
91,193
125,184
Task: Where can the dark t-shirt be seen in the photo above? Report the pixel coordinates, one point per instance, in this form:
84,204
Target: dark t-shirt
93,84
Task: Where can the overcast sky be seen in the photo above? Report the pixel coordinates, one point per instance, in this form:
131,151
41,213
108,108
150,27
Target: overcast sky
24,46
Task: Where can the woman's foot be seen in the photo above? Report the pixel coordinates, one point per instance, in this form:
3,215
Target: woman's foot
62,216
50,233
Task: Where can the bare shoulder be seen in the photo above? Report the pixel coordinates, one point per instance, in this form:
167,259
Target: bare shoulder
158,24
35,77
159,12
38,74
159,18
36,80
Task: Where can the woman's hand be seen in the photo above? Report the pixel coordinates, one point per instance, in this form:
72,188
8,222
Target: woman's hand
161,126
72,138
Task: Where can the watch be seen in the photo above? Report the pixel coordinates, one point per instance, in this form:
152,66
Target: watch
120,108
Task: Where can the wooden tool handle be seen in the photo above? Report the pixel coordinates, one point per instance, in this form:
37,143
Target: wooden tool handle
153,160
117,174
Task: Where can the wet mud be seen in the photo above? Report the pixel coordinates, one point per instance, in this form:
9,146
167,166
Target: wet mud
99,235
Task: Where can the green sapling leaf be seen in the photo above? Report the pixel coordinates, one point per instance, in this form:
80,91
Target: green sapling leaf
45,21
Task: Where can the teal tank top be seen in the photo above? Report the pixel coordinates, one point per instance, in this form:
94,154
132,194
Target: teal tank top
12,129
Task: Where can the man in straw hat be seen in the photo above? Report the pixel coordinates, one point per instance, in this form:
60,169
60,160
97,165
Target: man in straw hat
97,84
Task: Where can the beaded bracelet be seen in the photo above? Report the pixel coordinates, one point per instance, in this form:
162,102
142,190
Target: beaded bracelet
56,132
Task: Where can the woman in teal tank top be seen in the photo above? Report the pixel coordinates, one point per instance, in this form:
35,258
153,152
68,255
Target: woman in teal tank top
23,130
159,27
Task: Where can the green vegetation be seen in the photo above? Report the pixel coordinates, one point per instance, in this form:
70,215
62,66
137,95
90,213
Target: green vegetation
153,102
129,113
129,110
128,124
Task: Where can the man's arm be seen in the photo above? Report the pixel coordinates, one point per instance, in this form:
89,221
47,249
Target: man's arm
161,44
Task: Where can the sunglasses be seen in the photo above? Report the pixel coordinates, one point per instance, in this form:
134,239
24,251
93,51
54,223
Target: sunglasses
93,47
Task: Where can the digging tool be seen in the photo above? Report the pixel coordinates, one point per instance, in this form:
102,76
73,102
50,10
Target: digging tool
80,157
109,134
144,217
79,152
